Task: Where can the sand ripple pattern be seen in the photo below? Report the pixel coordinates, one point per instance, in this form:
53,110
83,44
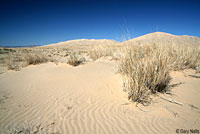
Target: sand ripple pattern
80,100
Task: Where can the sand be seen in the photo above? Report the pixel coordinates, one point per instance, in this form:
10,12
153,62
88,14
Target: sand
162,38
89,99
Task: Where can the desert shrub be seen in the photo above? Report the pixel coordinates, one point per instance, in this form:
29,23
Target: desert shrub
35,58
75,59
13,65
15,62
18,60
145,72
146,68
183,57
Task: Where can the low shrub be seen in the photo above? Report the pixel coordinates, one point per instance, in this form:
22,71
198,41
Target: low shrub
75,59
19,60
35,58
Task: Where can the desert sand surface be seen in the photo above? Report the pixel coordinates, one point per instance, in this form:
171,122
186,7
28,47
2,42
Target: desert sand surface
89,99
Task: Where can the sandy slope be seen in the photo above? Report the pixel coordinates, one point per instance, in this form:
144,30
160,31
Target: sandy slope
88,99
82,43
162,38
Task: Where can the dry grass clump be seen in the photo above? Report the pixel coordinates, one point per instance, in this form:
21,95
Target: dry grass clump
15,62
146,68
4,55
99,51
145,71
13,65
21,59
183,57
35,58
75,59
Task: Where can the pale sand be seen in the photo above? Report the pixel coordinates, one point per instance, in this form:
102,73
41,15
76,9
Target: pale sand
162,38
89,99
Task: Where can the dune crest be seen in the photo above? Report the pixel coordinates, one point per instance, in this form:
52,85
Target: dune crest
162,38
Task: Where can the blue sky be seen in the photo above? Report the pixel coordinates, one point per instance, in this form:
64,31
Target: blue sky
40,22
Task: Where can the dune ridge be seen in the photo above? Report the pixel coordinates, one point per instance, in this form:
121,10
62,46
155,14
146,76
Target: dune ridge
162,38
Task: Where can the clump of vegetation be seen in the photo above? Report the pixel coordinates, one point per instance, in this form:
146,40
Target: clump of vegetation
13,65
19,60
35,58
6,51
183,57
145,71
99,51
146,68
75,59
15,62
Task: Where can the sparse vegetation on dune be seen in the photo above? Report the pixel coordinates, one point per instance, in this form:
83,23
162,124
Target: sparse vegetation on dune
22,59
100,51
146,68
75,59
13,64
35,58
183,57
6,50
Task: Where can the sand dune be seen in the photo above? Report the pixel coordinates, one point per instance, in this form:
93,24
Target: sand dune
165,39
151,38
89,99
83,42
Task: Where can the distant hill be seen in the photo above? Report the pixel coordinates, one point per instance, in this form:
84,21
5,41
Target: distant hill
85,42
164,38
151,38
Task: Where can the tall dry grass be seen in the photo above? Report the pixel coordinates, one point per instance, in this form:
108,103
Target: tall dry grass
35,58
183,57
18,60
146,68
99,51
